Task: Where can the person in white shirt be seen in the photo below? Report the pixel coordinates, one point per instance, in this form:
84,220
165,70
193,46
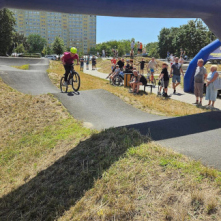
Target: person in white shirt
132,45
181,60
152,65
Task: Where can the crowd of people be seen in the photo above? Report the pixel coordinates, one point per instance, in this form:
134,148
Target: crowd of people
119,67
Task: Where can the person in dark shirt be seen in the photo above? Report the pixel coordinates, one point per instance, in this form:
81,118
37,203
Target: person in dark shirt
93,62
164,76
121,63
82,63
142,66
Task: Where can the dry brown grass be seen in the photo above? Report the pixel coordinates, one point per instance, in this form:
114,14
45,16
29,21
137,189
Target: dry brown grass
150,103
32,129
140,187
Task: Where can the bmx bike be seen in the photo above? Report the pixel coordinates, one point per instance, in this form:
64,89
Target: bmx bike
73,80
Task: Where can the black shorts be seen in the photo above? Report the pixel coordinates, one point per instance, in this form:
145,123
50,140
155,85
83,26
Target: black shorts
140,50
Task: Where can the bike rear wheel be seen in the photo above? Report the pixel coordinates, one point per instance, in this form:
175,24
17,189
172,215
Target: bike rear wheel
63,87
76,82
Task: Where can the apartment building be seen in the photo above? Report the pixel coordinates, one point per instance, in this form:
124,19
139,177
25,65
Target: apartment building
75,29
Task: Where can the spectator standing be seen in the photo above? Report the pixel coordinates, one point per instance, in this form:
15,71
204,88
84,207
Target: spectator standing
141,48
103,53
171,59
82,63
181,60
142,63
164,76
199,78
211,92
132,44
151,66
98,55
138,47
176,70
87,62
93,62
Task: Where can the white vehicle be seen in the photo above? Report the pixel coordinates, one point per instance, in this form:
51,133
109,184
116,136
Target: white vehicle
51,57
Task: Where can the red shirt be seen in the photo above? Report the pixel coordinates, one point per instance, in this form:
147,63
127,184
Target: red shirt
68,59
113,61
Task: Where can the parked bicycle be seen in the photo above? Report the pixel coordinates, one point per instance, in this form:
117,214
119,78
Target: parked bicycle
149,79
73,80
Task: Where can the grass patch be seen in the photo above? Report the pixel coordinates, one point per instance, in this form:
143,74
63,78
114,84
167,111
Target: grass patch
22,67
54,169
140,187
150,103
35,131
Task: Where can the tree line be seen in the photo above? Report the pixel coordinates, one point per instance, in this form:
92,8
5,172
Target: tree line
190,38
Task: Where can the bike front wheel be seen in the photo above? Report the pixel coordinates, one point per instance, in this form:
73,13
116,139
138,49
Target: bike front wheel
76,82
63,87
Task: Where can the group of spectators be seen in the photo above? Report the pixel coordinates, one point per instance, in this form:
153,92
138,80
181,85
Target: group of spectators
199,78
139,48
86,60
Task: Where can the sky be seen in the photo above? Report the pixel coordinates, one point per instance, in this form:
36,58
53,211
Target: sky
145,30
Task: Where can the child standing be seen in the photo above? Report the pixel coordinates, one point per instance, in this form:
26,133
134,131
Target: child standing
164,76
82,63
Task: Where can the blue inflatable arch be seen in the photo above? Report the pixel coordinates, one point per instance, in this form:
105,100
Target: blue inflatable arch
208,11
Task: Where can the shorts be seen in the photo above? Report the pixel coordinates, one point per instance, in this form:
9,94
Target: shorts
82,64
140,50
176,78
198,89
151,70
93,64
165,84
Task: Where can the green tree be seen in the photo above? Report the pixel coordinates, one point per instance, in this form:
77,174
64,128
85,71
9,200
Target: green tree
46,50
7,23
58,46
36,43
20,48
121,50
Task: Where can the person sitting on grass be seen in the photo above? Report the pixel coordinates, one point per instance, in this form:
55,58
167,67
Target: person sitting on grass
93,63
82,63
128,67
116,72
165,78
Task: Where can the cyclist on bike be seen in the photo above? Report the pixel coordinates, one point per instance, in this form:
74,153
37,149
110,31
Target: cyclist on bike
67,60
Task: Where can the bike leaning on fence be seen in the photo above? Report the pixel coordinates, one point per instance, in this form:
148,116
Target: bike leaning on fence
73,80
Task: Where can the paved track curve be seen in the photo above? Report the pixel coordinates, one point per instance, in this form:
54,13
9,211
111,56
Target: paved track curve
198,136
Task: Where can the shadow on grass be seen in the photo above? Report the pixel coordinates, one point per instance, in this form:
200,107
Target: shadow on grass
54,190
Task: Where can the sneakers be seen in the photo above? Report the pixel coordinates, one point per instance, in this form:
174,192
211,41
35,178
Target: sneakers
174,92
